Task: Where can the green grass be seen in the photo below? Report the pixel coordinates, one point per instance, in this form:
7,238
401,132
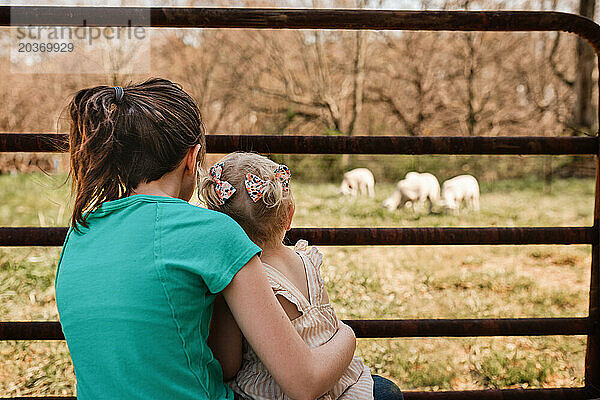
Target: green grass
506,203
366,282
34,200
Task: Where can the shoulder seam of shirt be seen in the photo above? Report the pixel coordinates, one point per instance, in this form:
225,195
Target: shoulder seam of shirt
62,253
235,267
161,276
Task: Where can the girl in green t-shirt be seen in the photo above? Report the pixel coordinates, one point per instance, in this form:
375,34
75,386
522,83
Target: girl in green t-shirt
141,268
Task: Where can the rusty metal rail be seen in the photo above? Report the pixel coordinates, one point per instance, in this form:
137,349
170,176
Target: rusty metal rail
256,18
528,145
36,236
444,236
506,394
378,328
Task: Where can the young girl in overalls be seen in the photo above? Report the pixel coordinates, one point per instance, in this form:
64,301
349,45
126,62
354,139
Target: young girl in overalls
255,192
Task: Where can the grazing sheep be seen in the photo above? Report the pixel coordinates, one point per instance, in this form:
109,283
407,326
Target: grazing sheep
415,188
358,181
458,190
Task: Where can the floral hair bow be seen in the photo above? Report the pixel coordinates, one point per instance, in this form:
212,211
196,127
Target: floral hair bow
224,189
256,187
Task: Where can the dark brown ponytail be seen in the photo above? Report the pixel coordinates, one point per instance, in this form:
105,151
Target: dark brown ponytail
121,138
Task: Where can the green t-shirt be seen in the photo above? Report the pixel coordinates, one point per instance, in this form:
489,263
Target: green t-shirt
135,294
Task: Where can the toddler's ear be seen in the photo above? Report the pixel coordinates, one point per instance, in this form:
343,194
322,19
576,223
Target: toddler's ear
291,216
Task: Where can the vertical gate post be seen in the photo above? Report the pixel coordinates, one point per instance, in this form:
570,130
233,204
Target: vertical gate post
592,355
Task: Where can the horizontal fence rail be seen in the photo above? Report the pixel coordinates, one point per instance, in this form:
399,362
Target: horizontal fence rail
506,394
528,145
381,328
470,327
444,236
36,236
257,18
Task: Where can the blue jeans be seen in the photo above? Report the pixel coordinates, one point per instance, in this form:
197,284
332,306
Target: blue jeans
384,389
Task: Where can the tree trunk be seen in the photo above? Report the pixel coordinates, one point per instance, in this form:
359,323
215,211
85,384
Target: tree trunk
583,116
358,79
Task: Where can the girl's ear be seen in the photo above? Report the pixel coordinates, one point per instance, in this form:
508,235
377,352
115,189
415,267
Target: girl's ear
191,160
291,216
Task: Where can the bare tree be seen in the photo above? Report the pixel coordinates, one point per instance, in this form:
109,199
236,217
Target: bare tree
582,113
406,79
583,116
313,78
475,92
207,65
306,76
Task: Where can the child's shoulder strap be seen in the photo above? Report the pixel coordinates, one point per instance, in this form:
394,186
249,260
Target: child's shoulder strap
311,253
282,286
313,259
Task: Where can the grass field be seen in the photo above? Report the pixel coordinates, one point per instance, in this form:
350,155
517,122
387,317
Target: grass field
366,282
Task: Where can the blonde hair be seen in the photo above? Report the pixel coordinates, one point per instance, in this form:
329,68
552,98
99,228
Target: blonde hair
264,221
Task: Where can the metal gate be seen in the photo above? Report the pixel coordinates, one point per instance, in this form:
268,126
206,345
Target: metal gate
369,20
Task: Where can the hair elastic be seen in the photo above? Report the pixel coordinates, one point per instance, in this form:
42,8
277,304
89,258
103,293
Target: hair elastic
119,92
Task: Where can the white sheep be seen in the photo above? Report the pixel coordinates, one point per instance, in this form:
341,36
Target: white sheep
358,181
458,190
415,188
